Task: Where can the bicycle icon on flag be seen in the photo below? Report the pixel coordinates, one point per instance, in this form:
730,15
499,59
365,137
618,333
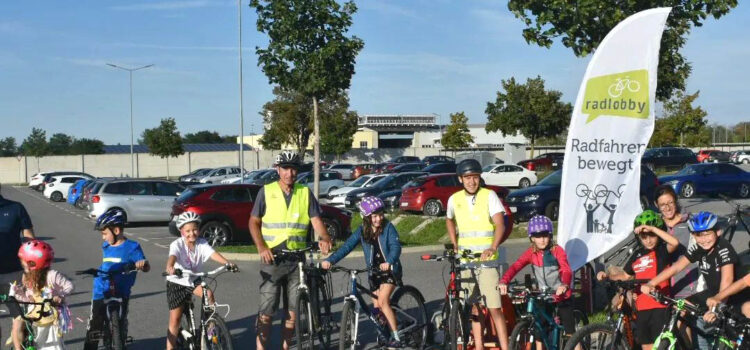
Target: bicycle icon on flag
616,89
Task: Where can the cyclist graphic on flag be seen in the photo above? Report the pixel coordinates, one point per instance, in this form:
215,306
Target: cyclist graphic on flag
599,197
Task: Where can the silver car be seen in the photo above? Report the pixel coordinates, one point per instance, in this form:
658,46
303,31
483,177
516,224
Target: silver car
218,174
141,199
329,181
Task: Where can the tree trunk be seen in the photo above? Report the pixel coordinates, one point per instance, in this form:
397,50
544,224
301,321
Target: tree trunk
167,168
316,164
532,148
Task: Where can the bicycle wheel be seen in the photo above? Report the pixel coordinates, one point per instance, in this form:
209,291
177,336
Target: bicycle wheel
304,323
458,331
411,316
522,336
347,334
597,336
114,331
324,316
217,335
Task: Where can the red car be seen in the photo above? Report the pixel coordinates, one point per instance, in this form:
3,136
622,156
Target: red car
429,194
703,155
225,212
547,161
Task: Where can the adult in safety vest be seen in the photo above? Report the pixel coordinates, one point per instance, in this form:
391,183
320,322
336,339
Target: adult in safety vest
282,214
474,219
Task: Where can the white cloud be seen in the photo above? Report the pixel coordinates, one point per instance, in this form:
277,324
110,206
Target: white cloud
170,5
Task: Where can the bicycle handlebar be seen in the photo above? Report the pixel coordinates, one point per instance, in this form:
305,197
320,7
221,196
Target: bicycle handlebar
45,311
375,269
627,284
181,272
129,268
678,303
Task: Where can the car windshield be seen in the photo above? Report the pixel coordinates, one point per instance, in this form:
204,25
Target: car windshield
553,179
189,193
415,183
201,172
690,170
488,168
268,175
384,181
360,182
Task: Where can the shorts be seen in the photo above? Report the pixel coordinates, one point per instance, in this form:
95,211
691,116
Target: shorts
488,280
178,295
649,323
377,279
278,280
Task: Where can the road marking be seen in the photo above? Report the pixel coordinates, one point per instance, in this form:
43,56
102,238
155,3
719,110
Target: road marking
161,245
142,239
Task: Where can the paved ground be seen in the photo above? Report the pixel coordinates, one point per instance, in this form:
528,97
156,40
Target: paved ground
77,247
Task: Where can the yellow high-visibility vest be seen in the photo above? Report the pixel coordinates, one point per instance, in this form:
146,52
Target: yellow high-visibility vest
476,231
281,223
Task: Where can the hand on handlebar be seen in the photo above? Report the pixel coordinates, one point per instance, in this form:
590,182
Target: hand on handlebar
169,270
488,253
325,265
143,265
232,267
385,266
601,276
647,289
561,290
266,256
503,288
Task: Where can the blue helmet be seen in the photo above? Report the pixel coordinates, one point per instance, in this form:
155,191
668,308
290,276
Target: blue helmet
702,221
111,217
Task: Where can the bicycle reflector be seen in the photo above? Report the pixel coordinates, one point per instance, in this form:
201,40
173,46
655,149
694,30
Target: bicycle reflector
428,257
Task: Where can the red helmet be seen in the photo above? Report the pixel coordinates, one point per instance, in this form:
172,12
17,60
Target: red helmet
37,254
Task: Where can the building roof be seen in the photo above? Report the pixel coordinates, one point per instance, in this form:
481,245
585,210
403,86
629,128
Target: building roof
188,147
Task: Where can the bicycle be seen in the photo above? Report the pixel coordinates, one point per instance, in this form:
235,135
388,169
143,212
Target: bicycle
735,218
314,298
621,84
45,310
536,324
407,303
116,335
616,332
670,336
732,328
211,331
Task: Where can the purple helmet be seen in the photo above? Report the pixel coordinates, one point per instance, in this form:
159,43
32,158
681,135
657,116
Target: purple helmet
540,224
370,205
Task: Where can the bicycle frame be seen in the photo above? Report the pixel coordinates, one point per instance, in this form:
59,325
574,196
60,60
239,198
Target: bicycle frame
670,333
28,341
200,328
537,314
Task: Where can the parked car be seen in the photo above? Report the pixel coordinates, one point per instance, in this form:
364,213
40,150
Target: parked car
508,175
543,162
709,179
141,199
363,169
402,168
346,170
48,176
702,155
439,168
195,175
266,178
225,213
329,181
248,177
717,156
668,157
405,159
430,160
336,197
75,191
35,181
56,188
88,191
218,174
740,157
544,197
387,183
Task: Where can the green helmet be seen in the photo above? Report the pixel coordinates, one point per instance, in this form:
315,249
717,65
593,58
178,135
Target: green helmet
649,217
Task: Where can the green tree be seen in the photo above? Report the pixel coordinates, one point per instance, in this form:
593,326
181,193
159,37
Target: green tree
87,146
739,132
338,125
59,144
529,109
229,139
308,50
583,24
164,141
206,136
35,145
288,120
681,123
8,147
457,134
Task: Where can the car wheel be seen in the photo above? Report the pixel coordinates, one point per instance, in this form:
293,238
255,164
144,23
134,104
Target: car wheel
332,228
56,196
644,203
433,207
551,210
746,161
216,233
687,190
524,183
744,190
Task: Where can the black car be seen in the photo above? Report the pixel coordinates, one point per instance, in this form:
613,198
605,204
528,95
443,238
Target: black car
668,157
430,160
718,156
544,197
405,159
403,168
440,168
391,182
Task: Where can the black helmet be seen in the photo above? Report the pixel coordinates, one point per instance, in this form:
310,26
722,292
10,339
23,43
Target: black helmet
287,159
468,166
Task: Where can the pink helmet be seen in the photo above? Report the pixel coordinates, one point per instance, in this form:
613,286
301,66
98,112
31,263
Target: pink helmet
37,254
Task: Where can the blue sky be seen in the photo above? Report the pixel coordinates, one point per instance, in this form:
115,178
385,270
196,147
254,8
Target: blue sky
420,56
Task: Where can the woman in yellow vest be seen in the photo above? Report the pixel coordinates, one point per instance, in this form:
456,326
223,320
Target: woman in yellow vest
477,214
282,213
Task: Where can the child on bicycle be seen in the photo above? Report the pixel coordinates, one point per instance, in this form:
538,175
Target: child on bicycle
38,283
189,252
740,298
117,253
549,264
650,258
716,263
382,249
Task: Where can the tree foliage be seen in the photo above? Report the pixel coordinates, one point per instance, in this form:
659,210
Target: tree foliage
35,145
457,134
529,109
164,141
583,24
681,124
207,136
59,144
338,125
86,146
8,147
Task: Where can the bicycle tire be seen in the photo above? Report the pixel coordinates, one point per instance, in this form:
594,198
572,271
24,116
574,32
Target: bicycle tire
347,340
522,336
584,337
221,338
114,331
324,316
458,333
303,323
186,324
416,339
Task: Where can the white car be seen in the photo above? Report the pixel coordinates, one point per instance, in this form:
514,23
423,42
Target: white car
35,181
57,188
508,175
737,157
218,174
337,197
329,181
249,177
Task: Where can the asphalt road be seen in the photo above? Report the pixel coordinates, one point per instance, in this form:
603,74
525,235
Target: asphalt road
77,247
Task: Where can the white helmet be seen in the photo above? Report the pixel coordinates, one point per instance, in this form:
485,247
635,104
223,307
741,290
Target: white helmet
287,159
187,217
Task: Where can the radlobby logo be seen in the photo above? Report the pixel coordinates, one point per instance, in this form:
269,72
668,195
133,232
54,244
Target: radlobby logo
622,94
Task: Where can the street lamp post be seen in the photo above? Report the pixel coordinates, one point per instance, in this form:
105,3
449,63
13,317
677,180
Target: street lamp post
242,116
130,72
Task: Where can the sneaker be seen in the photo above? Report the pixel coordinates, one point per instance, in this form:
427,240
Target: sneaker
394,344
